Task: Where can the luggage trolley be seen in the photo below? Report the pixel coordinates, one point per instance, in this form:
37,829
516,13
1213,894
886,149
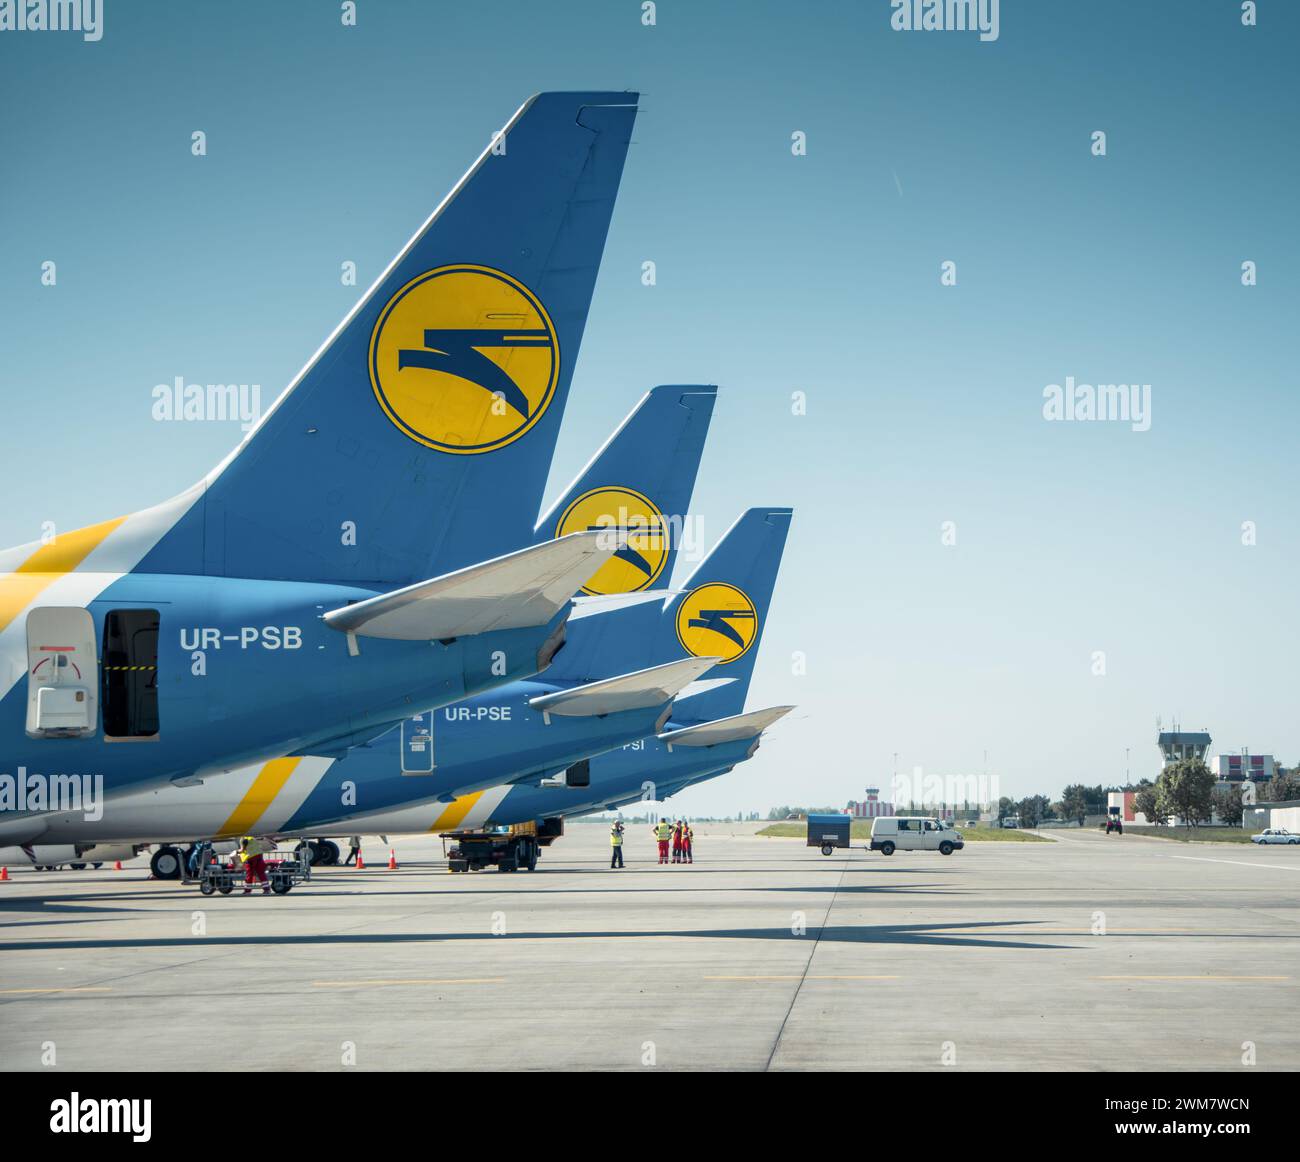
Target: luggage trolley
284,869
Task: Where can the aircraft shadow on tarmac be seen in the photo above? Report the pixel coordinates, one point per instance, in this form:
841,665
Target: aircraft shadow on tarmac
71,905
917,934
44,911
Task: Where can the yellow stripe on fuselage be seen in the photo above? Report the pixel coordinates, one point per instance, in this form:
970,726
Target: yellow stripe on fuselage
455,811
45,566
266,786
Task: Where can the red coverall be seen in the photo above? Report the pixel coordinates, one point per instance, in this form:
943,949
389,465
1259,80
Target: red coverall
255,869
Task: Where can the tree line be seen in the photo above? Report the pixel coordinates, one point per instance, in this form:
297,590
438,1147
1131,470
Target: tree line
1183,790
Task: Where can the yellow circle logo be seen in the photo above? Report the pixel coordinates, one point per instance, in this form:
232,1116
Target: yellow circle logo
717,621
643,559
464,359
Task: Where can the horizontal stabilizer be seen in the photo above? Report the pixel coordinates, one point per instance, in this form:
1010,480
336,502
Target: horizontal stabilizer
605,602
522,589
721,730
635,691
703,686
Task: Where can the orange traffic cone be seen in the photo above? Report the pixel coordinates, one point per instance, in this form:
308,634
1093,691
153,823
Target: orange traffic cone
361,863
392,859
117,866
4,875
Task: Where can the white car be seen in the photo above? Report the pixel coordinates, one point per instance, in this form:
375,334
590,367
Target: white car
892,833
1275,835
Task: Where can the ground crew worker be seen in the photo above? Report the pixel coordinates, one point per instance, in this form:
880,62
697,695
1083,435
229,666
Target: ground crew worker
663,832
688,843
677,842
250,852
354,850
616,845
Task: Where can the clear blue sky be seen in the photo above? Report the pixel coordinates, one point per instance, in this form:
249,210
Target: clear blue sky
776,273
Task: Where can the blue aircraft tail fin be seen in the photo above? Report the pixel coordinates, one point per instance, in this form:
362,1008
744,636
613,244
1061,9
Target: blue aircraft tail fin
719,611
418,439
641,480
724,609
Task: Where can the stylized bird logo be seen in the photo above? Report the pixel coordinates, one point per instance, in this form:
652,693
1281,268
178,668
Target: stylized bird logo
464,359
719,621
713,611
456,352
629,553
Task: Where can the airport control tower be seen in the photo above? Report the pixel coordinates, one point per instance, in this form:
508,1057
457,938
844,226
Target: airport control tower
1176,745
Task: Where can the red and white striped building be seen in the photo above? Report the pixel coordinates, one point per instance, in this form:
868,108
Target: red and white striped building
871,807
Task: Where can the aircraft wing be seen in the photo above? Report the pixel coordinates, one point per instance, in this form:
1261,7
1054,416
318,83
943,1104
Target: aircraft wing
521,589
739,726
634,691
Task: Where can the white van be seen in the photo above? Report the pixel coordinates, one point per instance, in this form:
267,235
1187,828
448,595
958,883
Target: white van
890,833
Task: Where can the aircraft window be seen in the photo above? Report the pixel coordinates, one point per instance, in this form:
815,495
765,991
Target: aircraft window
131,673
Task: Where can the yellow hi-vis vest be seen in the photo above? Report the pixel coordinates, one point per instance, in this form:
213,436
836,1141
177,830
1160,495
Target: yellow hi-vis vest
615,837
664,830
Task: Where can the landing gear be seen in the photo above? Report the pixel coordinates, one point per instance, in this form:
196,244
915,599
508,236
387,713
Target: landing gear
318,852
166,863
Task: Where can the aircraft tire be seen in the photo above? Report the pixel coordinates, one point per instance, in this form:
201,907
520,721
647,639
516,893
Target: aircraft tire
166,863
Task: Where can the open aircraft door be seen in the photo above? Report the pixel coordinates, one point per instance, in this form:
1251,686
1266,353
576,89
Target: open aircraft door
62,673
